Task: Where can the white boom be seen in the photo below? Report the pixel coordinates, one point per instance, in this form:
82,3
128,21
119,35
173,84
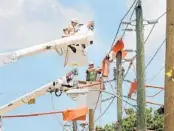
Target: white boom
82,39
59,85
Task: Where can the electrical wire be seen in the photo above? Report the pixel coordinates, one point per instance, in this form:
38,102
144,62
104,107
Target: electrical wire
156,94
111,86
98,99
118,97
149,102
153,27
32,114
161,15
146,39
52,102
129,20
121,23
156,74
129,67
149,33
100,111
105,110
155,53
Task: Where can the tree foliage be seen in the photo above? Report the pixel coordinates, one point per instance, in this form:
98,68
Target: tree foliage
154,121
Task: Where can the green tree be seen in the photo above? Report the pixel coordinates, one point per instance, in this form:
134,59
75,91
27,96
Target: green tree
154,121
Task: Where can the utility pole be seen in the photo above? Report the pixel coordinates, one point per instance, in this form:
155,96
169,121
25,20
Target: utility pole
140,69
91,119
74,125
169,84
119,80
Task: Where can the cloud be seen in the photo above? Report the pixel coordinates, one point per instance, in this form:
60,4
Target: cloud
25,23
10,8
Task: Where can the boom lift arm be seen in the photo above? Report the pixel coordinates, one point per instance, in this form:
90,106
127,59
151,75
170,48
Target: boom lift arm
79,41
60,85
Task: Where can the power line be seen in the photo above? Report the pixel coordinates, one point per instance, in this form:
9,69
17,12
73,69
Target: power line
154,27
32,114
155,54
161,15
129,67
121,22
128,24
156,74
156,93
150,33
105,110
52,102
146,40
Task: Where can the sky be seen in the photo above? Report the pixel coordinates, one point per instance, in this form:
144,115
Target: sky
24,23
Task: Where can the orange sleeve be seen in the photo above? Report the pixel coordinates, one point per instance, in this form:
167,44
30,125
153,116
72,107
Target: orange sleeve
132,89
75,114
118,46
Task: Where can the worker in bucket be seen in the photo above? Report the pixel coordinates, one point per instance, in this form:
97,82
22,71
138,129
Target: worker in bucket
90,25
73,27
92,72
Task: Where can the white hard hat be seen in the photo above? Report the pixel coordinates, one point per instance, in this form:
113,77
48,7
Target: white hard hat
91,63
74,20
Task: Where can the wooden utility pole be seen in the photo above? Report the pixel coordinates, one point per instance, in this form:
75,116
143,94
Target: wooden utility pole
74,125
169,84
119,80
140,69
91,119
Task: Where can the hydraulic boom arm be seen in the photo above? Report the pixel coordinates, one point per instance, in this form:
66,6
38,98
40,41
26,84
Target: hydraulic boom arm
82,37
61,85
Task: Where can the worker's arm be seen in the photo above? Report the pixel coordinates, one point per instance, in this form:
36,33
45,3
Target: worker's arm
70,30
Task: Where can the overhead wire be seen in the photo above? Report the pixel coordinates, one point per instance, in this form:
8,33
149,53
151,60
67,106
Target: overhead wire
52,102
146,40
129,67
98,99
100,110
148,102
153,27
149,33
155,94
155,53
156,74
105,110
114,96
129,20
111,86
121,23
118,97
32,114
111,104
